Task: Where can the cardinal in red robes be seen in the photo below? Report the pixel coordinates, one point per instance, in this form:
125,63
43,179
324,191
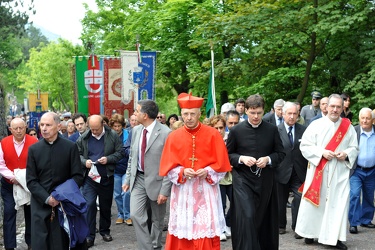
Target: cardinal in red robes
195,159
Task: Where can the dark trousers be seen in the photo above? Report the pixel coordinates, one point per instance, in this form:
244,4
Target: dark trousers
283,195
90,191
10,215
226,190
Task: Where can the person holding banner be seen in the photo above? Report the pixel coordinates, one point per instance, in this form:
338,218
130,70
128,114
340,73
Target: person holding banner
330,145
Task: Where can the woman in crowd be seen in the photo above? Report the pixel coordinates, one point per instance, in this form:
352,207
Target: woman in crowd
171,119
117,123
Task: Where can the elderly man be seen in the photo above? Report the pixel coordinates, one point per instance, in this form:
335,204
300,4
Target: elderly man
13,156
254,149
330,145
292,170
51,161
309,111
148,190
196,216
362,180
276,118
101,148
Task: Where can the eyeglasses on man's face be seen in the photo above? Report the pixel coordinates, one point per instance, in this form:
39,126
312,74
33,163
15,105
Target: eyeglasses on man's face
159,117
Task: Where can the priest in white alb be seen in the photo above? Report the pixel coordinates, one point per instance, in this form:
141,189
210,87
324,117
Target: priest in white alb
330,145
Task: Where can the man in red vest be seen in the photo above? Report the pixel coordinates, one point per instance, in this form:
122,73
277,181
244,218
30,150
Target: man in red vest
13,155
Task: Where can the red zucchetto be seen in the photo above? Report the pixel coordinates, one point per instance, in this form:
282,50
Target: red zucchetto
187,101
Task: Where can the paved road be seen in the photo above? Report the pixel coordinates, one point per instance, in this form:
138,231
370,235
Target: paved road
124,238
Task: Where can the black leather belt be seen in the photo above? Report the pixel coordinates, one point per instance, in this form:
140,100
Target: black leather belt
365,169
140,172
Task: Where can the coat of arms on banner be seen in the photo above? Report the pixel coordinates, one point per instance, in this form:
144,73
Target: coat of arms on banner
94,80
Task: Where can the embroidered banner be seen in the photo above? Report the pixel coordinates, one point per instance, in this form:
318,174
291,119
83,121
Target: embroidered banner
138,78
89,78
113,89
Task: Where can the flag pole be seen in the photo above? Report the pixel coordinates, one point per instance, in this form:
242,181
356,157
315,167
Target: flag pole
213,77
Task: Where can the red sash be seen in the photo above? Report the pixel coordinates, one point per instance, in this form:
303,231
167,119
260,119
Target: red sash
313,192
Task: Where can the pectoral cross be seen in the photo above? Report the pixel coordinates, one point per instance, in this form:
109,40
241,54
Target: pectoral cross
193,159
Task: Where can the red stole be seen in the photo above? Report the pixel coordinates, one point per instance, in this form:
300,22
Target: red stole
313,192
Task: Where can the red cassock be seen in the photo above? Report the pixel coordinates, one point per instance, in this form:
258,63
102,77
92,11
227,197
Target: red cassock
198,148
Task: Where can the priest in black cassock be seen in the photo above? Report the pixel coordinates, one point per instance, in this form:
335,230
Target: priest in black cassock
254,148
51,161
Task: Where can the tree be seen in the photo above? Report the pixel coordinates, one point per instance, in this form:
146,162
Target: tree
49,69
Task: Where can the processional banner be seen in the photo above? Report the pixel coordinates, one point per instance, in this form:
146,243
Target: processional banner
90,85
138,76
113,89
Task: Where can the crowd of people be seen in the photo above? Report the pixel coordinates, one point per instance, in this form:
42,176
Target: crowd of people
233,176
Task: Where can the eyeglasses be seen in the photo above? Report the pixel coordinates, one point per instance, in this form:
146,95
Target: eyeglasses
159,117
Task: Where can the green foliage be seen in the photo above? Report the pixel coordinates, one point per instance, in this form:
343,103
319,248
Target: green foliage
50,70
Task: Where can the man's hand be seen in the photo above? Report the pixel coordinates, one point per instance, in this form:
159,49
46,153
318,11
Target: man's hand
248,160
103,160
341,156
125,188
201,173
88,163
162,199
189,173
262,162
14,181
329,155
53,202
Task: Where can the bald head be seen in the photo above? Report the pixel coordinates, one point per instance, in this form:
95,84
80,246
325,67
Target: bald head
49,126
18,129
323,105
96,124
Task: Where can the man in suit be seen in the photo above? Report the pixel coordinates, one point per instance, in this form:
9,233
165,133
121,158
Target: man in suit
148,189
309,111
240,108
276,117
363,178
292,170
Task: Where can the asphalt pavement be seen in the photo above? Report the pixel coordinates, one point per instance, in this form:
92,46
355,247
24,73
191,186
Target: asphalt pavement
124,238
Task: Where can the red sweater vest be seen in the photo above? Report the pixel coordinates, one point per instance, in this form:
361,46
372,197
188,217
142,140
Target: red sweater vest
12,160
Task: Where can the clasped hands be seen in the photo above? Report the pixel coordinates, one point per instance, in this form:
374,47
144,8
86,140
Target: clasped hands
200,173
329,155
250,161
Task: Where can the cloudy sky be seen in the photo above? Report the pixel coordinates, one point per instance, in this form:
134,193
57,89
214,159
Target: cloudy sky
61,17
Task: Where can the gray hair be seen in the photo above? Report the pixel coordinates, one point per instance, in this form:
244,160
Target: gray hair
368,110
335,96
288,105
279,103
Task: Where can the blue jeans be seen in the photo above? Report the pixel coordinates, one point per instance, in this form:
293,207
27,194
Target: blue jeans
122,199
361,181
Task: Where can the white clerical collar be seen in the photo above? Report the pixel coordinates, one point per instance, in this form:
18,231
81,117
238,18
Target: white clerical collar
254,126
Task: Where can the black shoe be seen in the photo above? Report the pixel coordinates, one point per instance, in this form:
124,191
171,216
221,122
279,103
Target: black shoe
353,230
107,237
282,231
341,245
89,242
297,236
370,225
309,241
